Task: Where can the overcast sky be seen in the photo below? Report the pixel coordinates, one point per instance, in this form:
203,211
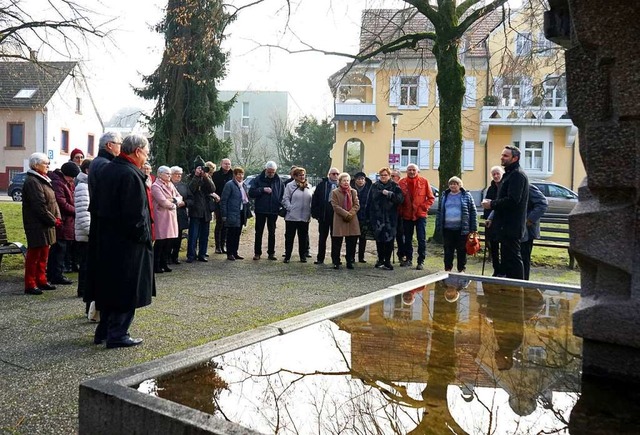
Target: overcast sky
137,49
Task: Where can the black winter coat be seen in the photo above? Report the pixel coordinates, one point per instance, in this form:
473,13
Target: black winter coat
122,278
220,179
39,210
97,165
183,212
510,217
267,203
363,197
382,210
199,196
321,208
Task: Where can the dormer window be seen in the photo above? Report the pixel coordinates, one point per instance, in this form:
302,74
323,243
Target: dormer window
25,93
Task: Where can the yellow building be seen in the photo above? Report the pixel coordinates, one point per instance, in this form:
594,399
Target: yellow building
515,95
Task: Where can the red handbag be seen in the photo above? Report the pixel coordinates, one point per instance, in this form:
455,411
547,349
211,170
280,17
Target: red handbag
473,244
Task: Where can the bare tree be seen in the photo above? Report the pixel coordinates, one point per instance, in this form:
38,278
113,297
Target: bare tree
248,149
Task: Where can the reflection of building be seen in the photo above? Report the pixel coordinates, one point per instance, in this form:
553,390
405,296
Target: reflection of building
252,123
515,94
426,342
44,107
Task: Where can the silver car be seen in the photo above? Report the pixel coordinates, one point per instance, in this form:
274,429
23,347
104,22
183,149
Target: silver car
561,199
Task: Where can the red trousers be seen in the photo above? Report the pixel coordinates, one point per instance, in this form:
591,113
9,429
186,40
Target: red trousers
35,268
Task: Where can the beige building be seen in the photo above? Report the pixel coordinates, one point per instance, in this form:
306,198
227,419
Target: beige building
515,94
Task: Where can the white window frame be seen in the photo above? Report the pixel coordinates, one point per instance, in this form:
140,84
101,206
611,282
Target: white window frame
505,88
226,128
400,93
468,155
436,154
533,155
409,148
523,137
245,114
553,86
543,45
523,44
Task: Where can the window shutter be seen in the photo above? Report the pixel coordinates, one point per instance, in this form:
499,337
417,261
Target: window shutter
436,154
527,91
394,91
423,154
470,92
423,91
468,151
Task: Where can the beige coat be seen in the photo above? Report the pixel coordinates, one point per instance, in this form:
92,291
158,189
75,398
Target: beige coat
340,227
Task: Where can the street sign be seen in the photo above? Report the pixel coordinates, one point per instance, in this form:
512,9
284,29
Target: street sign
50,155
394,159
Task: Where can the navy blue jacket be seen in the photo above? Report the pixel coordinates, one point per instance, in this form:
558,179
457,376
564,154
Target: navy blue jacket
267,203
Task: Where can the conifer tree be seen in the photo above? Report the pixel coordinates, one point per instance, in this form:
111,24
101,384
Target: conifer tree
185,84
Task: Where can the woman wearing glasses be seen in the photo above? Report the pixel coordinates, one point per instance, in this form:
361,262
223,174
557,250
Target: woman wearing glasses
297,201
40,216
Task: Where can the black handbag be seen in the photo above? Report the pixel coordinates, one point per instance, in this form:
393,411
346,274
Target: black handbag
282,212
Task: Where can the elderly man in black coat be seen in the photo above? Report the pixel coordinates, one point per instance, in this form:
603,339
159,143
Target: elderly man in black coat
510,212
266,189
124,277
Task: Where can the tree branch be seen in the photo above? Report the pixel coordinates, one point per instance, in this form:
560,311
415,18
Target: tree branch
477,14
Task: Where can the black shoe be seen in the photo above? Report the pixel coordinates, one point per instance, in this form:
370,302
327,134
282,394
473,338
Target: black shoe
318,262
218,251
286,260
62,281
47,286
224,251
231,258
189,260
349,265
362,260
378,264
237,257
127,342
336,266
175,261
206,255
167,269
388,266
97,340
32,291
308,255
158,271
203,259
272,258
303,260
420,266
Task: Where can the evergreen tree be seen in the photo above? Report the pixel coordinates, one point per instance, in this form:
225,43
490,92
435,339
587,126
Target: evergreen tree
309,146
184,84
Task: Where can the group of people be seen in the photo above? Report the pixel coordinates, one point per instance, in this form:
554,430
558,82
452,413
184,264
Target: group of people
126,225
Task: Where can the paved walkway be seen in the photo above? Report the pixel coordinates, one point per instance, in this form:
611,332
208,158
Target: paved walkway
46,346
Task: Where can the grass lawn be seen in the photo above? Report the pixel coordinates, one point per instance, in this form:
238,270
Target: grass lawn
548,264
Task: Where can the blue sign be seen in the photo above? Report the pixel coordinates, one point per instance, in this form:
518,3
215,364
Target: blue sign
50,154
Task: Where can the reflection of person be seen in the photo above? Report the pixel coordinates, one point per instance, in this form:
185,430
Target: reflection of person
234,209
124,278
510,212
362,184
536,207
40,215
322,211
418,197
166,201
345,203
456,219
490,237
267,189
382,212
297,200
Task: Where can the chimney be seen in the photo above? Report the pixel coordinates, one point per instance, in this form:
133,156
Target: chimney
33,55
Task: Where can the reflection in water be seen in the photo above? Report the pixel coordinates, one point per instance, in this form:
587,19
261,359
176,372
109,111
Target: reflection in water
453,357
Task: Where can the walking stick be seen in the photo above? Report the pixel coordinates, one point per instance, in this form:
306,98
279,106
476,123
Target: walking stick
484,257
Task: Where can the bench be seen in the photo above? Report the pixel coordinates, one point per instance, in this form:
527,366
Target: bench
7,247
554,233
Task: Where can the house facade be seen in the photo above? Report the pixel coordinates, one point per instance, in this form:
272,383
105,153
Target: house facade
251,125
515,95
44,107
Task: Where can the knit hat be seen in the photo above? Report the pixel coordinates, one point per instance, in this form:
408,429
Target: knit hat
76,151
198,162
70,169
360,175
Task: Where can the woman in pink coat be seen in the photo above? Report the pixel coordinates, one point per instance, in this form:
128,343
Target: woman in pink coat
166,200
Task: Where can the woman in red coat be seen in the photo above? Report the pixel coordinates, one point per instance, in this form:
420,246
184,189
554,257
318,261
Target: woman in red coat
40,215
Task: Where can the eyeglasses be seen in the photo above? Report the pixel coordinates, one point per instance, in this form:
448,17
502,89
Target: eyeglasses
46,163
334,173
78,157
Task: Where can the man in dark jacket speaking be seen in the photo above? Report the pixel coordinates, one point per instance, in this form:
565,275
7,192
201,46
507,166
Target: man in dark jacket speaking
510,212
267,190
124,277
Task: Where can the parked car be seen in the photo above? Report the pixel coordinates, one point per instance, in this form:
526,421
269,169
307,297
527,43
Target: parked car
561,199
15,188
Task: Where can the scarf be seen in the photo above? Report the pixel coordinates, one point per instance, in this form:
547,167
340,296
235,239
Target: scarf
242,192
302,185
346,190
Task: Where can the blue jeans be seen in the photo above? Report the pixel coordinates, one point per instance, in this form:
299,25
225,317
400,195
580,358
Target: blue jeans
420,226
198,233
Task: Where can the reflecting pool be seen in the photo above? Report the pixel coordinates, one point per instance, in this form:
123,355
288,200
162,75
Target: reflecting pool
454,356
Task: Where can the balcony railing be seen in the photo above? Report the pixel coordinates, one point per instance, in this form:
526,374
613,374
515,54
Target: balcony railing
528,115
355,109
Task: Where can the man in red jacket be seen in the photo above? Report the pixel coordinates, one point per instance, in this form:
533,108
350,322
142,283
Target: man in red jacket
418,197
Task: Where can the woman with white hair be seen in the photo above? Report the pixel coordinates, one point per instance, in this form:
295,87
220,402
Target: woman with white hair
183,215
40,216
166,201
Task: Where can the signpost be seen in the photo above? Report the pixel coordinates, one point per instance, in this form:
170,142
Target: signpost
394,159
